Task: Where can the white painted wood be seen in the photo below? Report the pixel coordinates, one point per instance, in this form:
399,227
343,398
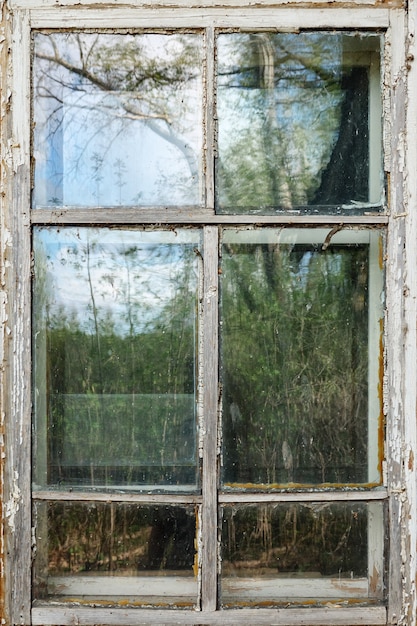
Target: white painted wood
5,172
16,398
303,236
375,129
233,588
337,615
375,412
248,17
400,341
376,536
203,4
40,408
409,404
120,586
268,588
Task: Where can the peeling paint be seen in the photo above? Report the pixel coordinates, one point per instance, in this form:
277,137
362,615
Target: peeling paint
11,507
211,293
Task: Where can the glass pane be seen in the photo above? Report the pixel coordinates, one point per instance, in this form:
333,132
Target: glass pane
117,119
301,403
287,552
115,336
299,120
128,553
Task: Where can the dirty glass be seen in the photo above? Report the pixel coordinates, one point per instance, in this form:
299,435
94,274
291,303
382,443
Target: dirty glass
118,119
115,336
299,318
127,553
304,110
270,550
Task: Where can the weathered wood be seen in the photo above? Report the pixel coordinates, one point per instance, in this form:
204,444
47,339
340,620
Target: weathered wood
210,403
189,17
68,616
160,215
122,496
400,383
5,133
302,496
203,4
375,364
273,588
209,121
135,587
244,589
120,215
15,241
223,498
406,462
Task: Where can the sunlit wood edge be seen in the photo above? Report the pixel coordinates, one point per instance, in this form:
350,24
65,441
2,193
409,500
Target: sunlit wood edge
308,616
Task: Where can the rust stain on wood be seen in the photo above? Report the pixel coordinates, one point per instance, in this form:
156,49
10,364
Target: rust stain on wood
374,581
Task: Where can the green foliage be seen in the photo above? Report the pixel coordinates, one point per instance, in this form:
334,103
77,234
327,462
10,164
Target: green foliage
120,396
294,363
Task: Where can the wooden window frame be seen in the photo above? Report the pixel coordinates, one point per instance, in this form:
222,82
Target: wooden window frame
400,111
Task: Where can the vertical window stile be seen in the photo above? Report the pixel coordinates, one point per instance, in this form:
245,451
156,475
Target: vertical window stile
209,480
210,342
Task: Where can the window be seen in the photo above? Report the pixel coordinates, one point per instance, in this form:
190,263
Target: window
208,230
124,319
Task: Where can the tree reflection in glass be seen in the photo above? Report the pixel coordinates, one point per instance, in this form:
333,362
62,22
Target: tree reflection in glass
117,119
300,107
115,357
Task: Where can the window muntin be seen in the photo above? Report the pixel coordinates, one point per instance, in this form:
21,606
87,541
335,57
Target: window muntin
118,119
299,321
300,106
209,564
116,336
